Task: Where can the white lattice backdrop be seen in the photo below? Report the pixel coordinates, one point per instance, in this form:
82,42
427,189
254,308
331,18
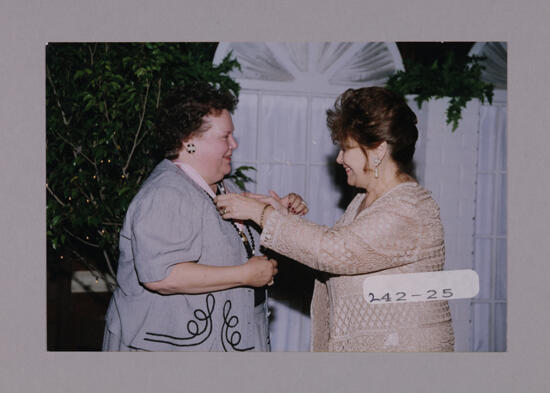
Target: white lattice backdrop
280,126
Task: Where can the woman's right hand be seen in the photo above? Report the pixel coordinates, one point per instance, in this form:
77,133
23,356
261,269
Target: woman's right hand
259,271
274,200
293,202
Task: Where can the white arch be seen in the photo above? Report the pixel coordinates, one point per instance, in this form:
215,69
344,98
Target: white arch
496,62
322,67
280,123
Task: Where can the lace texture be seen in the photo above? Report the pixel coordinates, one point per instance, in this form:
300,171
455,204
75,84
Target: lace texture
401,232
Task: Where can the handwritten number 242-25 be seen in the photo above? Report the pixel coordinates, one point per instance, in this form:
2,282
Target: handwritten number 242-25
402,296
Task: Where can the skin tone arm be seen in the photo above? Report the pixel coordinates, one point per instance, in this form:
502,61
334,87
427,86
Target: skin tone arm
292,202
242,207
249,206
192,278
189,277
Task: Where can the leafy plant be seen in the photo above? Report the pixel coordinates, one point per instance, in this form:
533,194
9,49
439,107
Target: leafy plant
459,80
101,101
239,176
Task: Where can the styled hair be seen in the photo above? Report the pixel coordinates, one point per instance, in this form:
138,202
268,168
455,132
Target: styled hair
181,114
372,115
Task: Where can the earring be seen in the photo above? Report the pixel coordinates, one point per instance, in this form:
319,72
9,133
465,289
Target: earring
376,163
191,148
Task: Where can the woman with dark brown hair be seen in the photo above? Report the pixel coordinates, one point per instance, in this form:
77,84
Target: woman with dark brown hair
189,280
392,227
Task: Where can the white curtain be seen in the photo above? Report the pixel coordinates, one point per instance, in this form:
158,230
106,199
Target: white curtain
284,136
489,307
280,126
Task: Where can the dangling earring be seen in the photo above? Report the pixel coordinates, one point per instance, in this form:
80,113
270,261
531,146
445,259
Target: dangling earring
376,163
191,148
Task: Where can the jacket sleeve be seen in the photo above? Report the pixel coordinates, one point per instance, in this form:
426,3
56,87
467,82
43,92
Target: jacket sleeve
382,238
166,230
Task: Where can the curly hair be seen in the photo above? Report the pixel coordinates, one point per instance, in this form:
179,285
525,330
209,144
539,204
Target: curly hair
181,114
372,115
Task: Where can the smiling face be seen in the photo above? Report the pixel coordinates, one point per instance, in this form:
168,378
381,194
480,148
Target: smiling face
214,147
354,161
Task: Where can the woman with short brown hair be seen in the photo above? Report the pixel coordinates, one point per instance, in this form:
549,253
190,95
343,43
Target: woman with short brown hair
392,227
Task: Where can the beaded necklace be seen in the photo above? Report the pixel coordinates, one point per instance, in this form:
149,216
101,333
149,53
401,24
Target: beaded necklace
249,245
259,293
194,175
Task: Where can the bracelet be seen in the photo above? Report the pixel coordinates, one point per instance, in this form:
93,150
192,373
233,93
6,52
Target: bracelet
262,215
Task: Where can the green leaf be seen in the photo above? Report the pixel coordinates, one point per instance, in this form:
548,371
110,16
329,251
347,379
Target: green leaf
55,220
78,74
140,72
240,178
461,81
123,190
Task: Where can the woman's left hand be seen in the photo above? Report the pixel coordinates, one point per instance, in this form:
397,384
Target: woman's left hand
294,203
239,207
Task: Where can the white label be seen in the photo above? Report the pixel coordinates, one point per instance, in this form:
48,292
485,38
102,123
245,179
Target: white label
415,287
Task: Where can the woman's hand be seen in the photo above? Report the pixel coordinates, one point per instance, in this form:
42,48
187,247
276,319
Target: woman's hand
259,271
292,203
274,200
239,207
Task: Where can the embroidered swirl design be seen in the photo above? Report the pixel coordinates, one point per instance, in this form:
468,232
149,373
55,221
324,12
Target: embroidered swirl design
199,335
230,322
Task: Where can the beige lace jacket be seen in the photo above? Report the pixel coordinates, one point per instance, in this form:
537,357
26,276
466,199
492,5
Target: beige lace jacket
400,232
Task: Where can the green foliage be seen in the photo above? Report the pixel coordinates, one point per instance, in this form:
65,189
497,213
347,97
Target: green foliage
459,80
240,178
101,102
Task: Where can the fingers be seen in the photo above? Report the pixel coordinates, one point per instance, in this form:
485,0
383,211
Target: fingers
294,202
263,198
230,206
274,271
222,203
275,203
292,197
300,208
296,205
276,196
264,270
232,197
242,206
223,197
253,195
272,201
227,211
